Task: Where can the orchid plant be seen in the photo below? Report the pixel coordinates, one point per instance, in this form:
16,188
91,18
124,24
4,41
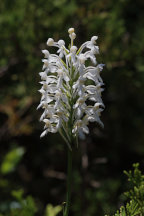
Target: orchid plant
71,93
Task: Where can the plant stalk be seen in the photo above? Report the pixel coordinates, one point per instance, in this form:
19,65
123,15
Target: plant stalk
69,180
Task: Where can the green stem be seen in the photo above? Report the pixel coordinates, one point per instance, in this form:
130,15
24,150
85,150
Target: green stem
69,179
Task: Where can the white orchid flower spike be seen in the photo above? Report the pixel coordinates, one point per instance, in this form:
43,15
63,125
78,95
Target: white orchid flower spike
71,91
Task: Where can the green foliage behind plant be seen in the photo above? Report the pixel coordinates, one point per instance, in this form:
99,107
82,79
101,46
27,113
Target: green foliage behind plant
135,207
11,159
131,209
20,205
135,194
26,206
52,210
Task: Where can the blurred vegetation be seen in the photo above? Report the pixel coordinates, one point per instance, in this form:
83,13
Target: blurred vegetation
27,206
135,194
136,191
38,166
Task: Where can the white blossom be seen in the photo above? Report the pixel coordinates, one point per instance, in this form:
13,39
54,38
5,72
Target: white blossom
71,91
71,30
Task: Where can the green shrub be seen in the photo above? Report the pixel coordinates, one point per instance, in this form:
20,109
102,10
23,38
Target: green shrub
135,194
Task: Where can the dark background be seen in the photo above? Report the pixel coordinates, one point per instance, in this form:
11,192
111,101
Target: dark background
39,166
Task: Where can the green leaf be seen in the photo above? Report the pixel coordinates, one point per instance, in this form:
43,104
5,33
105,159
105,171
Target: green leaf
52,211
11,159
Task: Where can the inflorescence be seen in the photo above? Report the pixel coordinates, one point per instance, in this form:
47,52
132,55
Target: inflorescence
71,91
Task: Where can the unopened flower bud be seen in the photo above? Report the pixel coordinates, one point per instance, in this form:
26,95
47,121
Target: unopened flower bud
50,42
73,35
71,30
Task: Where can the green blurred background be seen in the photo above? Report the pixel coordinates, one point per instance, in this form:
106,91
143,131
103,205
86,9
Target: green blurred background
39,166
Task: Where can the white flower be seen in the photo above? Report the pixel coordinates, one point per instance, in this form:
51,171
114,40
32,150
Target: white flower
46,53
82,58
80,127
61,50
61,43
93,39
71,91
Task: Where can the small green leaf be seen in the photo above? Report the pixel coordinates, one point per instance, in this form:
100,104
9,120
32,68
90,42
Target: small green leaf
52,211
11,159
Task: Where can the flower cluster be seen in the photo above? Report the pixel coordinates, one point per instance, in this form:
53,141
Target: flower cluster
71,91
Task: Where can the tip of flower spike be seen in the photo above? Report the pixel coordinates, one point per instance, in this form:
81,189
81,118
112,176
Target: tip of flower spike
50,42
71,30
